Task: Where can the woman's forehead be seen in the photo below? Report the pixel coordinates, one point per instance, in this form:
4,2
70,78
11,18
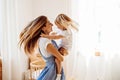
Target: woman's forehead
48,21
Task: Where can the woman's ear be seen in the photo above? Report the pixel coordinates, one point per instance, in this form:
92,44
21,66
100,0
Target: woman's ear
43,28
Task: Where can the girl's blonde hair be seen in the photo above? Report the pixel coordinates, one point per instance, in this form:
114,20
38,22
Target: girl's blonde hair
31,33
64,20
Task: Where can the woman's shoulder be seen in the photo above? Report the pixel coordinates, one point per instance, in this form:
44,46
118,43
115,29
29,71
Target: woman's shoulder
44,40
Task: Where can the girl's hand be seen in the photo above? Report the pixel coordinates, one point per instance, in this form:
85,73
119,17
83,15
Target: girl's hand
52,36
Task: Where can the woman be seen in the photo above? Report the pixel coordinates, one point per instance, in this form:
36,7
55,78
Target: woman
30,38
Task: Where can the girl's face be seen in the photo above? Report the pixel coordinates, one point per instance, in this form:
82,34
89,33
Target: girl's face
59,26
48,28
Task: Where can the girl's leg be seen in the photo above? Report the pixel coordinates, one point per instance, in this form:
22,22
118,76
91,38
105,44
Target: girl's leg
58,66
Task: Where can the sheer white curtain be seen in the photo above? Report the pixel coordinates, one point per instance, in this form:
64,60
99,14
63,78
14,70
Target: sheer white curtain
98,31
14,14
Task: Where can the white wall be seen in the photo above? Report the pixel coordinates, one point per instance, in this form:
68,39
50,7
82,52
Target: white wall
24,10
50,8
23,17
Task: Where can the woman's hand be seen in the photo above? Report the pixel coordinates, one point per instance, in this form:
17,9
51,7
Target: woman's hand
63,51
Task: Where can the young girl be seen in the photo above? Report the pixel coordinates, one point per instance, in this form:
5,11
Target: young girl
65,24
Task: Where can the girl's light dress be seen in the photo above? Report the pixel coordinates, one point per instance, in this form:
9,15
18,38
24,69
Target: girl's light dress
49,72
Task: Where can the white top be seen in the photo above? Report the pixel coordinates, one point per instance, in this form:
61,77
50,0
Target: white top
67,41
43,42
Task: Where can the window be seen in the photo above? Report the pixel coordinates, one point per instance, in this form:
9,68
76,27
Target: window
99,25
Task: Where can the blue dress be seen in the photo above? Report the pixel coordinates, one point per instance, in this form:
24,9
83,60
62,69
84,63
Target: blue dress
49,72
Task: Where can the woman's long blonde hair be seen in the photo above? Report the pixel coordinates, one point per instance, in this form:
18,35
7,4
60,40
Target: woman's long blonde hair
31,33
65,21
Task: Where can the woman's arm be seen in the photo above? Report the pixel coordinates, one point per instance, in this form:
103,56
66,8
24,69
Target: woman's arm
63,51
50,48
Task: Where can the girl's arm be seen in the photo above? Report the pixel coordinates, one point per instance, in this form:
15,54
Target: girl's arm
52,36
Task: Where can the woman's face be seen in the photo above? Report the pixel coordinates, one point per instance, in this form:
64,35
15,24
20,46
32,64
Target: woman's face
48,28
